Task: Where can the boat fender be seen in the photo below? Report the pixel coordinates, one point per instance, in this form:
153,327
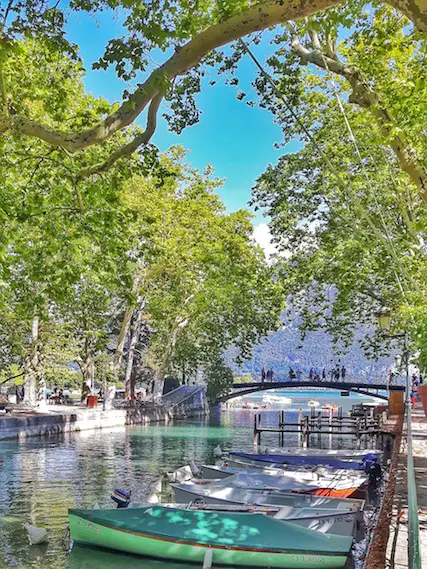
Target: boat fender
208,559
218,452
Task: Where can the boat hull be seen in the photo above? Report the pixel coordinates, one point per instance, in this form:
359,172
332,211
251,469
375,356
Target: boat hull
185,493
278,459
341,454
340,487
96,533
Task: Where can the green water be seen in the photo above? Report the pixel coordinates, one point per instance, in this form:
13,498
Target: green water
42,477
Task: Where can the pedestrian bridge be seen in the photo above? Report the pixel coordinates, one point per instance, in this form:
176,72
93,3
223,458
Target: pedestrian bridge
370,389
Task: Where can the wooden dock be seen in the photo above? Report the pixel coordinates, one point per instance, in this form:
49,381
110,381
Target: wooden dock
365,425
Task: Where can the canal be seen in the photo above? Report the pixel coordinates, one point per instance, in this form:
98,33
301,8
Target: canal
42,477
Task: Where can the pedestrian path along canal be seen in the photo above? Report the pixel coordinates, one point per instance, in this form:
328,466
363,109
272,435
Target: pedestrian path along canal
41,478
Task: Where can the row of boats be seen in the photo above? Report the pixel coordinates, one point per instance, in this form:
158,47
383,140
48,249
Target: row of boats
278,509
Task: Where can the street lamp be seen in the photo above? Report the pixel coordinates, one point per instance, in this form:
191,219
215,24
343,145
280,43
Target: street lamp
384,319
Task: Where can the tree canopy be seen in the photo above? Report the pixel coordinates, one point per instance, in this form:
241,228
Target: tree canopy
190,33
145,257
350,225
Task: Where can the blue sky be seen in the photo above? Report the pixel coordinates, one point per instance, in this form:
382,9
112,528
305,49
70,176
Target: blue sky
235,138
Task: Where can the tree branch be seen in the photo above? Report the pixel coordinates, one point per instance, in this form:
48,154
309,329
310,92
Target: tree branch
12,377
257,17
129,148
364,96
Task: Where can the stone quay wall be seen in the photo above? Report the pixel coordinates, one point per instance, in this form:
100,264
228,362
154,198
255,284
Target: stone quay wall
67,420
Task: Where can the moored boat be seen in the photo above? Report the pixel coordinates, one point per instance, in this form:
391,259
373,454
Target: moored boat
237,539
231,467
280,459
341,454
348,487
211,494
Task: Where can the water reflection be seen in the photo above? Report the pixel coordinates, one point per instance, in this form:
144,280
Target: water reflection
88,558
42,477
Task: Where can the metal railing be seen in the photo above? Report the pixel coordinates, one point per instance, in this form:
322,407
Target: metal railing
414,556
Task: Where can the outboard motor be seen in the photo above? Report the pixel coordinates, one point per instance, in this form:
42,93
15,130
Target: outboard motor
121,498
373,469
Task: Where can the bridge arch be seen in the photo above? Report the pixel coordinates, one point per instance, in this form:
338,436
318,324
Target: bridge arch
243,389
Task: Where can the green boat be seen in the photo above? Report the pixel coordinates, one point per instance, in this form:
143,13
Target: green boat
236,539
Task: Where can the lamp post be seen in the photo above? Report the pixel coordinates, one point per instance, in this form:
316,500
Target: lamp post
384,322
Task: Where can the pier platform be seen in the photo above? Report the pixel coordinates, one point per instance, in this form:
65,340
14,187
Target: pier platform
397,548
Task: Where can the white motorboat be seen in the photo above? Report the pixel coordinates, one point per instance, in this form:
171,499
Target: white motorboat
272,399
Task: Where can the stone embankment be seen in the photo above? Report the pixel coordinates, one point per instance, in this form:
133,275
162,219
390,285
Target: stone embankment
58,419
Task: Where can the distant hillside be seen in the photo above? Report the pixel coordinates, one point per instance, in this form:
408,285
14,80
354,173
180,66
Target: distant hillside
285,348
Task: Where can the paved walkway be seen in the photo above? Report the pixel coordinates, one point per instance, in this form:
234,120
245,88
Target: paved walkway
397,549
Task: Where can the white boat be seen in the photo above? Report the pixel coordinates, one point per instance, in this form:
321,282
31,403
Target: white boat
227,495
348,486
324,520
343,454
272,399
210,471
313,403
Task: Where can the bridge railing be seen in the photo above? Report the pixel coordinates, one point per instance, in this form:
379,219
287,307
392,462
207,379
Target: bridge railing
349,378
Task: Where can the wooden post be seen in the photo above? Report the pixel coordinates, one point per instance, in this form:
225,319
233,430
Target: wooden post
259,429
255,430
306,432
282,434
319,428
300,427
358,433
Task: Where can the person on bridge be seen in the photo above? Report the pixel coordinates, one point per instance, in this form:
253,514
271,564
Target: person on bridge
343,372
298,374
311,374
337,372
324,374
292,374
263,374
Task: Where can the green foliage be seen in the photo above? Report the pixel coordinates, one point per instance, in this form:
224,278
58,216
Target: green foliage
219,378
70,254
351,227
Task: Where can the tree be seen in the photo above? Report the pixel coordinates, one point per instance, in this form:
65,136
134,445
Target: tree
367,60
219,379
194,30
200,283
349,227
